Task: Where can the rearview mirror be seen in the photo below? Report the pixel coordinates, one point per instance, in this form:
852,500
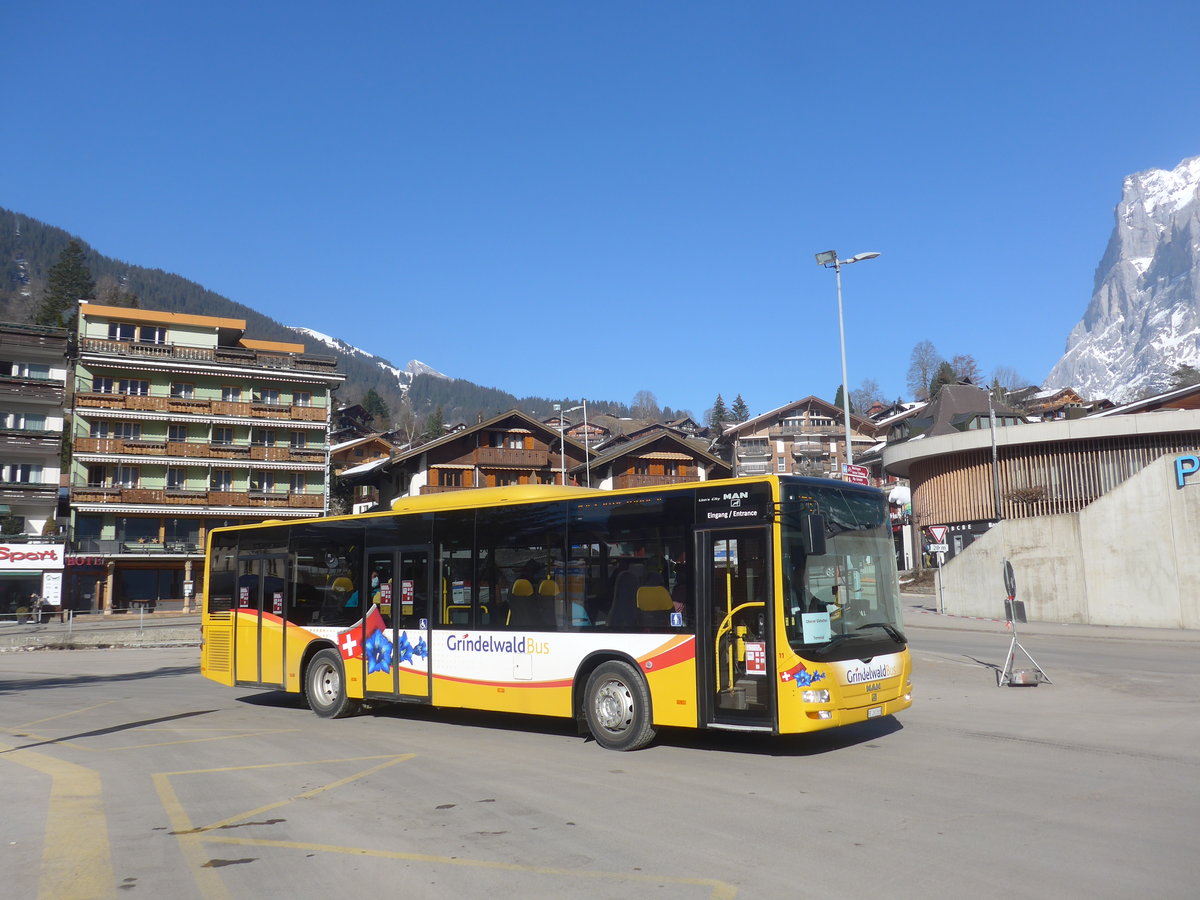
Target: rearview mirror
812,534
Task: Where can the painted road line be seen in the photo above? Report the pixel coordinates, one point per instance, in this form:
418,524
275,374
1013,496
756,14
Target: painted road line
192,838
76,856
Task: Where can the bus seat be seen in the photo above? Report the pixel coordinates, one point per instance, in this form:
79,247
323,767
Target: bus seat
520,598
543,605
654,605
623,611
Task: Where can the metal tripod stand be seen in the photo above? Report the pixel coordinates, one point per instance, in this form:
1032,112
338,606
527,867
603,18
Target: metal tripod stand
1019,677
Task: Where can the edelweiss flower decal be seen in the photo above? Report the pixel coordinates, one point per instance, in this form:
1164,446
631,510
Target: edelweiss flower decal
379,653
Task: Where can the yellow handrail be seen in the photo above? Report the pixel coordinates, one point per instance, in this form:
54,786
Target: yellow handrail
725,625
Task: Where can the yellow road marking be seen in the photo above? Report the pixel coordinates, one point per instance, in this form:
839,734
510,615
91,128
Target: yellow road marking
73,712
306,795
192,838
207,881
720,890
76,857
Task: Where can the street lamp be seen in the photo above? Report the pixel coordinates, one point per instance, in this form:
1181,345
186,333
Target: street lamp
829,259
587,455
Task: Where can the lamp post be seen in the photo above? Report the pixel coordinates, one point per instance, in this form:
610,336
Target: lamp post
995,460
829,259
587,454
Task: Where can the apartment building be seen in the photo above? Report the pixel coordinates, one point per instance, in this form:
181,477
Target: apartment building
33,376
182,424
806,437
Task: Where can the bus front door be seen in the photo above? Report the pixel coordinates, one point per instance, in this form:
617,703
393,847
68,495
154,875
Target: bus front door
735,613
399,580
259,650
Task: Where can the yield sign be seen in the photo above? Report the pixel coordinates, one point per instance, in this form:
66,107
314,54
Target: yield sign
939,533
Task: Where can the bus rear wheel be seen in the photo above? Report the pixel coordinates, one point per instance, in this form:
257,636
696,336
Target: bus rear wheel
617,706
325,686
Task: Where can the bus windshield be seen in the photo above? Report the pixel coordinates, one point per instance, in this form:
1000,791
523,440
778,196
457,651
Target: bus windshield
848,596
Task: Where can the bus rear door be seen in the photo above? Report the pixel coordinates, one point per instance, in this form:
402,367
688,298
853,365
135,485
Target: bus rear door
259,650
400,580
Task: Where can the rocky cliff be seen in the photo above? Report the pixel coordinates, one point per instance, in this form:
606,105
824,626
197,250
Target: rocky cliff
1143,321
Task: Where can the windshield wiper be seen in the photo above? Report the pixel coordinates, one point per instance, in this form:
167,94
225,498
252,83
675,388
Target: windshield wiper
893,632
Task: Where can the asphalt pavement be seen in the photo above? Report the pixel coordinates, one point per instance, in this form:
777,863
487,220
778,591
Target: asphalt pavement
921,611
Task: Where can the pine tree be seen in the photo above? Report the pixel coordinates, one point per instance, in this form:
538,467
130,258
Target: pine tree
435,425
67,282
740,411
376,408
718,415
837,399
945,375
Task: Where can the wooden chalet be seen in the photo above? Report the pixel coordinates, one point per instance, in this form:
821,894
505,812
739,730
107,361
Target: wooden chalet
806,437
511,448
656,458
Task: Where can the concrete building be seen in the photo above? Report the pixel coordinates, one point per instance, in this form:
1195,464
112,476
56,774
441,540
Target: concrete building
1099,516
33,376
182,424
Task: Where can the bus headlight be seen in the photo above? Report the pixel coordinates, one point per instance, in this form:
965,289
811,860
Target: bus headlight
821,696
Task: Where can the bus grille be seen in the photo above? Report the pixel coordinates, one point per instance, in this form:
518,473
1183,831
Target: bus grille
216,648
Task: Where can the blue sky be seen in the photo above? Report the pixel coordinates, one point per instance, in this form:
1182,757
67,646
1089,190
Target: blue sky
569,199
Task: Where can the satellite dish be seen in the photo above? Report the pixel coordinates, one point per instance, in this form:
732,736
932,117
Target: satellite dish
1010,580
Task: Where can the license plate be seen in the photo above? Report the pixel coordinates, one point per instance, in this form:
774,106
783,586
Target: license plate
874,711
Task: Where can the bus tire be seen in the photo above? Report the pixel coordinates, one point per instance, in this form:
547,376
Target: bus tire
325,686
617,707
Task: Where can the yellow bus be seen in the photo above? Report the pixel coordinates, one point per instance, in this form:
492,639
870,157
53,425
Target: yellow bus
753,604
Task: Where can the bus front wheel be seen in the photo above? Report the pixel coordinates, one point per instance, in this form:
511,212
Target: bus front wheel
617,705
325,686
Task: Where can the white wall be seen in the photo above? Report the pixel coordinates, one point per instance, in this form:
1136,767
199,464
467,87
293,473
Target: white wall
1130,558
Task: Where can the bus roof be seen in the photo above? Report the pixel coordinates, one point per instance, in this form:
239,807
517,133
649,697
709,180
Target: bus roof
515,493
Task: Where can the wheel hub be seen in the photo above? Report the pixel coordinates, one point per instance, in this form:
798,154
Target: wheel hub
614,706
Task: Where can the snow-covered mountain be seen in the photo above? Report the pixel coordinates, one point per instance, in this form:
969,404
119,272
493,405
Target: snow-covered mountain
1143,321
404,377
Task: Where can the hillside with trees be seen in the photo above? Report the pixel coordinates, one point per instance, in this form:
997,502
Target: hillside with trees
29,290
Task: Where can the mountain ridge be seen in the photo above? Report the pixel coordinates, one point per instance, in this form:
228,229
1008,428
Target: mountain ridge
1143,320
29,248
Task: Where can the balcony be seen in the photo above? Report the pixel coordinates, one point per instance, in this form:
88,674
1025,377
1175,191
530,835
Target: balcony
180,497
35,439
810,450
794,431
754,451
110,547
444,488
27,492
196,450
631,481
190,406
510,457
267,359
47,390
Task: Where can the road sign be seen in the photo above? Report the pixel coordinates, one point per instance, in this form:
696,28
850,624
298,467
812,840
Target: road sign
938,533
856,474
939,548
